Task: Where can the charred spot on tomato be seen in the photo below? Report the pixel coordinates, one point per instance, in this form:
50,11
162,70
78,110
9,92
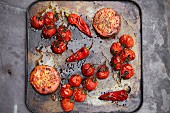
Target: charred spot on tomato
125,74
50,27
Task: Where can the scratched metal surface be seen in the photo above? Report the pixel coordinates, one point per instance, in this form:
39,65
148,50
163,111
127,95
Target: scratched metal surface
39,51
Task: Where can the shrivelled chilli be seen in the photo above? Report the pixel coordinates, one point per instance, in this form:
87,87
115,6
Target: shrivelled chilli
80,23
115,96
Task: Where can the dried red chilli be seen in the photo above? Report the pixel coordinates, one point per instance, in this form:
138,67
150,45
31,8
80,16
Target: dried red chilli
115,96
80,23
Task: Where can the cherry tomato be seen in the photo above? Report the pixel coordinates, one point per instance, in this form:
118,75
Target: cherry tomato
75,80
102,72
37,22
66,91
67,104
79,95
127,55
127,71
127,41
50,18
116,48
87,69
90,84
49,30
64,33
58,47
116,62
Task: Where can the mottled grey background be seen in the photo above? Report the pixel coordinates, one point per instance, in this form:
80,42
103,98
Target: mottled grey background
156,54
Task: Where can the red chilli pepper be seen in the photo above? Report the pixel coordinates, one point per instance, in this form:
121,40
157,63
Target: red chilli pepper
79,55
80,23
115,96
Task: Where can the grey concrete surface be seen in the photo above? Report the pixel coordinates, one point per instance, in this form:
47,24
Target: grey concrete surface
156,54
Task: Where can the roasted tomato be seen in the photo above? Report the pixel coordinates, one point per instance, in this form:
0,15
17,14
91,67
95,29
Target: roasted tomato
102,72
63,33
67,104
127,41
49,30
58,47
75,80
87,69
107,22
50,18
90,84
45,79
127,71
66,91
37,22
79,95
127,55
116,62
116,48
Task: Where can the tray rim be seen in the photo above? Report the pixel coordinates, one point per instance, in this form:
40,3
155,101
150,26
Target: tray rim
27,40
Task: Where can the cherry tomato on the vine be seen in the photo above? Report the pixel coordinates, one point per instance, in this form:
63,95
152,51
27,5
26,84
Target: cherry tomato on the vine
91,83
102,72
127,55
48,31
66,91
87,69
75,80
116,48
63,33
126,40
79,94
58,47
116,62
67,104
50,18
37,22
127,71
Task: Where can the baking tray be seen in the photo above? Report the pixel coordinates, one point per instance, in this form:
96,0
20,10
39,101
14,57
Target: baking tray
39,53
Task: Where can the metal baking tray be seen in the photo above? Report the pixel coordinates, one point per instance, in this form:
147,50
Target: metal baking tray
39,53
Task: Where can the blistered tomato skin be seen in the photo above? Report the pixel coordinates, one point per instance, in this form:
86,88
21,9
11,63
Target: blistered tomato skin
58,47
75,80
67,104
79,95
127,41
49,18
127,71
127,55
66,91
90,84
102,72
63,33
116,48
37,22
88,69
49,31
116,62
